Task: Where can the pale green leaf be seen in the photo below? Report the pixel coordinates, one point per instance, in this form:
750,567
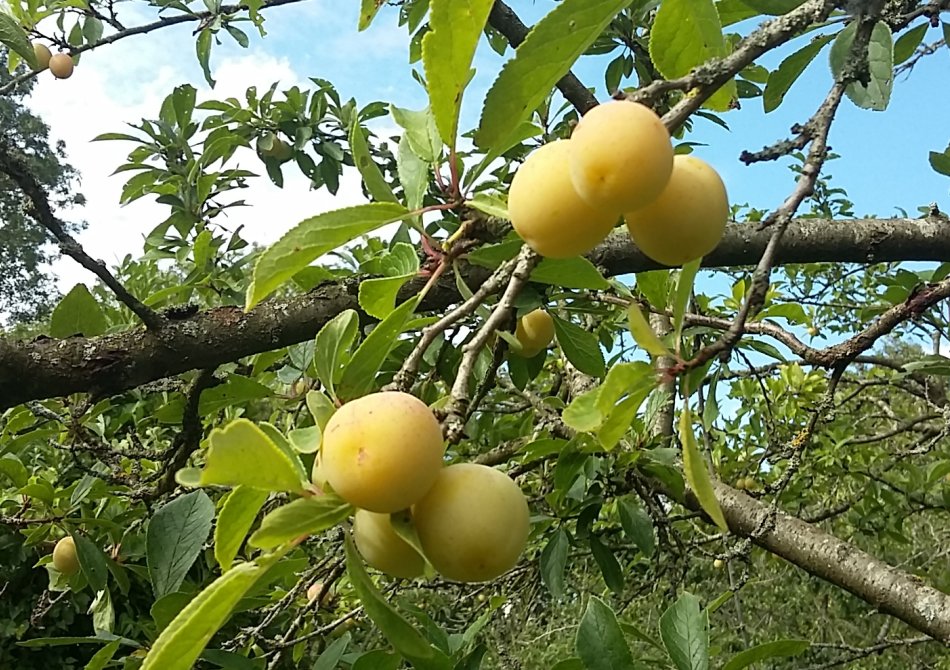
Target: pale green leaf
788,72
643,332
421,132
78,313
684,291
877,93
312,238
332,348
373,178
455,27
546,55
368,10
304,516
576,272
697,474
685,34
600,642
684,628
102,657
493,205
413,173
235,520
241,453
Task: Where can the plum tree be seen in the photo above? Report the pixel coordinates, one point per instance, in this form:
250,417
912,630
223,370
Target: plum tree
546,210
382,548
61,65
535,331
687,220
620,156
473,524
383,451
43,55
65,558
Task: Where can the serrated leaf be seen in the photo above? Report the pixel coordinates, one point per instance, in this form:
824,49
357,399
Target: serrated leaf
577,272
378,296
637,525
332,348
235,520
241,453
304,516
546,55
493,205
368,10
877,93
455,27
643,332
413,173
684,629
580,347
182,641
174,539
608,564
92,561
697,475
360,374
401,635
312,238
583,414
14,37
553,562
687,33
376,185
421,132
776,649
600,642
305,440
78,313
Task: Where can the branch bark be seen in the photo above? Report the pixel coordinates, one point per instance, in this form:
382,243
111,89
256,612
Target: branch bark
48,368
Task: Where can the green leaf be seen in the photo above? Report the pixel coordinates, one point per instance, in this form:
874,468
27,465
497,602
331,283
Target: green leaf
685,631
684,290
776,649
907,44
455,27
581,348
242,453
332,348
92,29
773,7
577,272
572,663
321,408
546,55
92,562
14,37
877,93
174,539
305,440
687,33
401,635
312,238
494,205
304,516
180,644
203,51
643,332
697,475
11,466
102,657
608,564
583,414
940,162
378,296
373,178
78,313
360,374
637,525
600,642
368,9
235,520
421,132
331,656
553,562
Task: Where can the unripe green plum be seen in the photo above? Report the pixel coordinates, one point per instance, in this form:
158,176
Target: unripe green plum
620,156
535,331
278,150
473,524
382,452
546,211
381,547
65,558
688,218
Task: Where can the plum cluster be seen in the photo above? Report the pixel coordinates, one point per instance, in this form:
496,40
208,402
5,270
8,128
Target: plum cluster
383,453
61,64
569,194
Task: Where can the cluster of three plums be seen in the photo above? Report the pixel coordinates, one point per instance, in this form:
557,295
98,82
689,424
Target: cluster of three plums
384,454
569,194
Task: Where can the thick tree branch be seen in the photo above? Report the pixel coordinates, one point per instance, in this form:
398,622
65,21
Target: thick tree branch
111,364
890,590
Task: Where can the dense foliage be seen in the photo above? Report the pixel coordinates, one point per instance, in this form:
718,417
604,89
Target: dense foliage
740,462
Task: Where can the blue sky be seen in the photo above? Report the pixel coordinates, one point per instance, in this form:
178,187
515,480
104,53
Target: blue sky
884,163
